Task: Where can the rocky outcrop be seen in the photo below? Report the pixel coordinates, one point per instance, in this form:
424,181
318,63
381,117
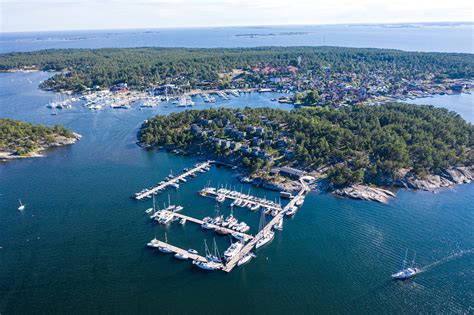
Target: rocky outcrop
448,178
59,142
365,193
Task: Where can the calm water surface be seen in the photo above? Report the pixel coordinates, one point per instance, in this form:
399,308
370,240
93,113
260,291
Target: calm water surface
80,244
446,38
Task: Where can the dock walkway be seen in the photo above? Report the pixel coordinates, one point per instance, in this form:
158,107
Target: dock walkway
250,245
245,236
178,250
262,203
174,180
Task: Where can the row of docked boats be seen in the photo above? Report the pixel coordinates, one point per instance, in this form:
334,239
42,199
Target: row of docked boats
173,181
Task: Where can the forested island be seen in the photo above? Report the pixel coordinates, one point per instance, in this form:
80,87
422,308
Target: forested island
311,75
21,139
386,145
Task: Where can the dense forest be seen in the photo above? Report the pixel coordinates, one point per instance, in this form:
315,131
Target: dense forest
24,138
368,144
142,67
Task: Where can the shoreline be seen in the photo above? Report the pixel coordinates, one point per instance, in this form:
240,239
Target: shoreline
6,156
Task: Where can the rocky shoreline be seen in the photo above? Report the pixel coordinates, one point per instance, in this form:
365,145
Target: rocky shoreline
60,142
448,178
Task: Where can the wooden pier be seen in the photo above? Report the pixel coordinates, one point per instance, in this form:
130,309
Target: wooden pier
250,245
174,180
245,236
213,192
177,250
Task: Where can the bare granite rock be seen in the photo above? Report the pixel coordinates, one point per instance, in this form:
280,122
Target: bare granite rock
366,193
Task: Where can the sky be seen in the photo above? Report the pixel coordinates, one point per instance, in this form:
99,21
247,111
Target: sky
46,15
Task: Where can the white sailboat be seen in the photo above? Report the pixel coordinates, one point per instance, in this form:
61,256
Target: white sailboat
267,235
406,273
163,249
22,206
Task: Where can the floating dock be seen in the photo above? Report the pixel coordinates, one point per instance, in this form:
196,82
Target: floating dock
250,245
174,181
236,196
246,237
177,250
250,241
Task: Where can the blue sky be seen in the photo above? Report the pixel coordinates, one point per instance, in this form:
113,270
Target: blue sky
40,15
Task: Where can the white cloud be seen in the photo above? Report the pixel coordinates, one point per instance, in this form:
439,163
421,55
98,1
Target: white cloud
26,15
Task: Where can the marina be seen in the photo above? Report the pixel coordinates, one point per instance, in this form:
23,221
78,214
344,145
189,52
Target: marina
241,200
173,181
179,216
240,252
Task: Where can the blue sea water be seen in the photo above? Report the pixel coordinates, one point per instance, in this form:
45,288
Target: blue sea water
80,244
411,37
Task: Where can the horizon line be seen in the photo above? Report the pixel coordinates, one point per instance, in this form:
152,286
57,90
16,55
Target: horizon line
240,26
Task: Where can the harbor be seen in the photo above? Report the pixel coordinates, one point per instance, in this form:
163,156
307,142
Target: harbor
240,251
242,200
173,181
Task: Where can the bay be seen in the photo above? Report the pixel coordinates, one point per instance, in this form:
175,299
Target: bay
80,244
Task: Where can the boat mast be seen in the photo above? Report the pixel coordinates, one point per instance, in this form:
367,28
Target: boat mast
216,250
405,259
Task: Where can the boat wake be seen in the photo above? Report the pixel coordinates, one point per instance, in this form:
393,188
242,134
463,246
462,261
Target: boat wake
446,259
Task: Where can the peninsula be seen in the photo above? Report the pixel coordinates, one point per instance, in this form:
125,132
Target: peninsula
347,149
20,139
312,76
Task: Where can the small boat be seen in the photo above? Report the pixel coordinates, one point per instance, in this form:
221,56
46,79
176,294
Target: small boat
22,206
163,249
207,265
267,237
300,201
177,209
254,207
285,194
233,250
181,256
149,210
245,259
220,198
279,225
406,273
192,251
221,231
153,243
182,221
291,211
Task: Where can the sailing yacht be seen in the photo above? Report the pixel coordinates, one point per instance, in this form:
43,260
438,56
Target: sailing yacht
406,273
22,206
165,250
245,259
267,235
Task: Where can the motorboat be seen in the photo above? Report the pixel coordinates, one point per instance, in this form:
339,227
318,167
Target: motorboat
233,250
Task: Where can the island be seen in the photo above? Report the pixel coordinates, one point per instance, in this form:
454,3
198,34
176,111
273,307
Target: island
21,139
353,151
308,76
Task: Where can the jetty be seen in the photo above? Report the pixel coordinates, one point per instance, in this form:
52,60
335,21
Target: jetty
249,241
240,199
244,236
177,250
250,245
174,180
